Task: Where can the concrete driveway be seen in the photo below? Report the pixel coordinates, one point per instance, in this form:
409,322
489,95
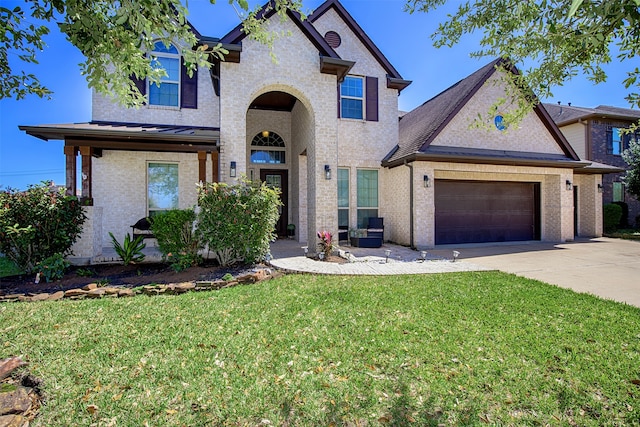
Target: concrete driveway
608,268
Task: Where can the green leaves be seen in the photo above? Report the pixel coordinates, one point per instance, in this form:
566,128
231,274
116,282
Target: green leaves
130,252
559,39
237,222
38,223
113,37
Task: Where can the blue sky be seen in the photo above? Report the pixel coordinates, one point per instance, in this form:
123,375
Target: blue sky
403,38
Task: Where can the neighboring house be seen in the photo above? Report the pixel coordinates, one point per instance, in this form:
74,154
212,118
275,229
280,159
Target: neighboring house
339,159
595,135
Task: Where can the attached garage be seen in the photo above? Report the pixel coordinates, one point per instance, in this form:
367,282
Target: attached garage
486,211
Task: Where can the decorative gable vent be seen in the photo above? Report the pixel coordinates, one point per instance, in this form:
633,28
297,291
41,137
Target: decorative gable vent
333,39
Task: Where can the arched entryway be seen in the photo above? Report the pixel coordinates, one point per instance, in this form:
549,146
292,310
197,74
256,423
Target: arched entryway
279,131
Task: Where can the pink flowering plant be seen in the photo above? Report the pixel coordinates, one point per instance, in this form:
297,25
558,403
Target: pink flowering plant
325,244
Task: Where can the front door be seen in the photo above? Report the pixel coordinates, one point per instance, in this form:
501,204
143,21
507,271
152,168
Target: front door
277,178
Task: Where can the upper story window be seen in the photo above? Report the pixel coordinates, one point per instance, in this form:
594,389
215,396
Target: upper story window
352,98
616,141
268,147
168,91
178,88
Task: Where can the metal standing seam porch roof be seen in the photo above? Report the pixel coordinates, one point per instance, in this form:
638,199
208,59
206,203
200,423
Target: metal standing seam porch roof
131,136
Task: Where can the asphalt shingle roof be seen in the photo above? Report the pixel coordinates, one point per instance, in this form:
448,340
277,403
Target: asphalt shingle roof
418,127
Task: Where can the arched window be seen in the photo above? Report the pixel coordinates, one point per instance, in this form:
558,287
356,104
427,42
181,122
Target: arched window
267,147
168,91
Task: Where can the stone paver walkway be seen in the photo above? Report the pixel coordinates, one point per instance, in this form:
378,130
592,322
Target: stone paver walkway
288,255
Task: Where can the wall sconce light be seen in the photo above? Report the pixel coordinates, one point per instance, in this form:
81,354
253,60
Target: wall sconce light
599,188
327,172
232,170
426,182
569,185
265,134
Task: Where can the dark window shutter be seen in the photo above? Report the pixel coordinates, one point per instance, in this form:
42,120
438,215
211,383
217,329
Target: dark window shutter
141,84
372,99
188,88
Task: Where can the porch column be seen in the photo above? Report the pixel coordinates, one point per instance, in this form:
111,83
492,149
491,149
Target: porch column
70,153
202,166
215,160
86,197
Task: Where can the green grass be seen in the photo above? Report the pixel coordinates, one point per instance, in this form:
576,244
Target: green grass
629,234
452,349
8,267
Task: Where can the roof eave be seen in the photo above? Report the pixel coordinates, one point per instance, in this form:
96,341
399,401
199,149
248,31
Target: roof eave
339,67
56,133
395,83
478,159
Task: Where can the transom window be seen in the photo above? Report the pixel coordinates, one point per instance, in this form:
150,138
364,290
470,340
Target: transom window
162,187
352,98
269,148
168,91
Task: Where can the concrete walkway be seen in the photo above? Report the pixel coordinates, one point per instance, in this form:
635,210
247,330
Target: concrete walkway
289,255
608,268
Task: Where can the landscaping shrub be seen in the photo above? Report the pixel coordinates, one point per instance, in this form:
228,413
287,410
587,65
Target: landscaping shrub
624,214
177,240
237,221
53,267
611,215
38,223
131,250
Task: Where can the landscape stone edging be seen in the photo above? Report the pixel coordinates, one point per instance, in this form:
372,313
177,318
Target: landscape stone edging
19,400
93,290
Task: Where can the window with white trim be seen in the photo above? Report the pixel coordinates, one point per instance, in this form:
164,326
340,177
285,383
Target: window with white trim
167,92
352,98
162,187
367,195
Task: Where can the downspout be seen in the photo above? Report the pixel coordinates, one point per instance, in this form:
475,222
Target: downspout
410,166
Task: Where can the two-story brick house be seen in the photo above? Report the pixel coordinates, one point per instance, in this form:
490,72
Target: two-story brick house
322,123
595,135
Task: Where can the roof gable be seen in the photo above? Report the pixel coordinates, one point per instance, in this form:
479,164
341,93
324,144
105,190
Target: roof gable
267,11
357,31
419,128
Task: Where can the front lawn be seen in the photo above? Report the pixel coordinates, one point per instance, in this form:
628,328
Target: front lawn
452,349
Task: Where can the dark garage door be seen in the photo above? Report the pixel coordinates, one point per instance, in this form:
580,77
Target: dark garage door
481,211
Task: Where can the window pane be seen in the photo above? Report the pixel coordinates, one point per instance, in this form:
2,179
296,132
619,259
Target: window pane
162,179
616,141
160,47
165,94
343,218
351,86
343,188
367,188
271,157
618,192
364,215
351,108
